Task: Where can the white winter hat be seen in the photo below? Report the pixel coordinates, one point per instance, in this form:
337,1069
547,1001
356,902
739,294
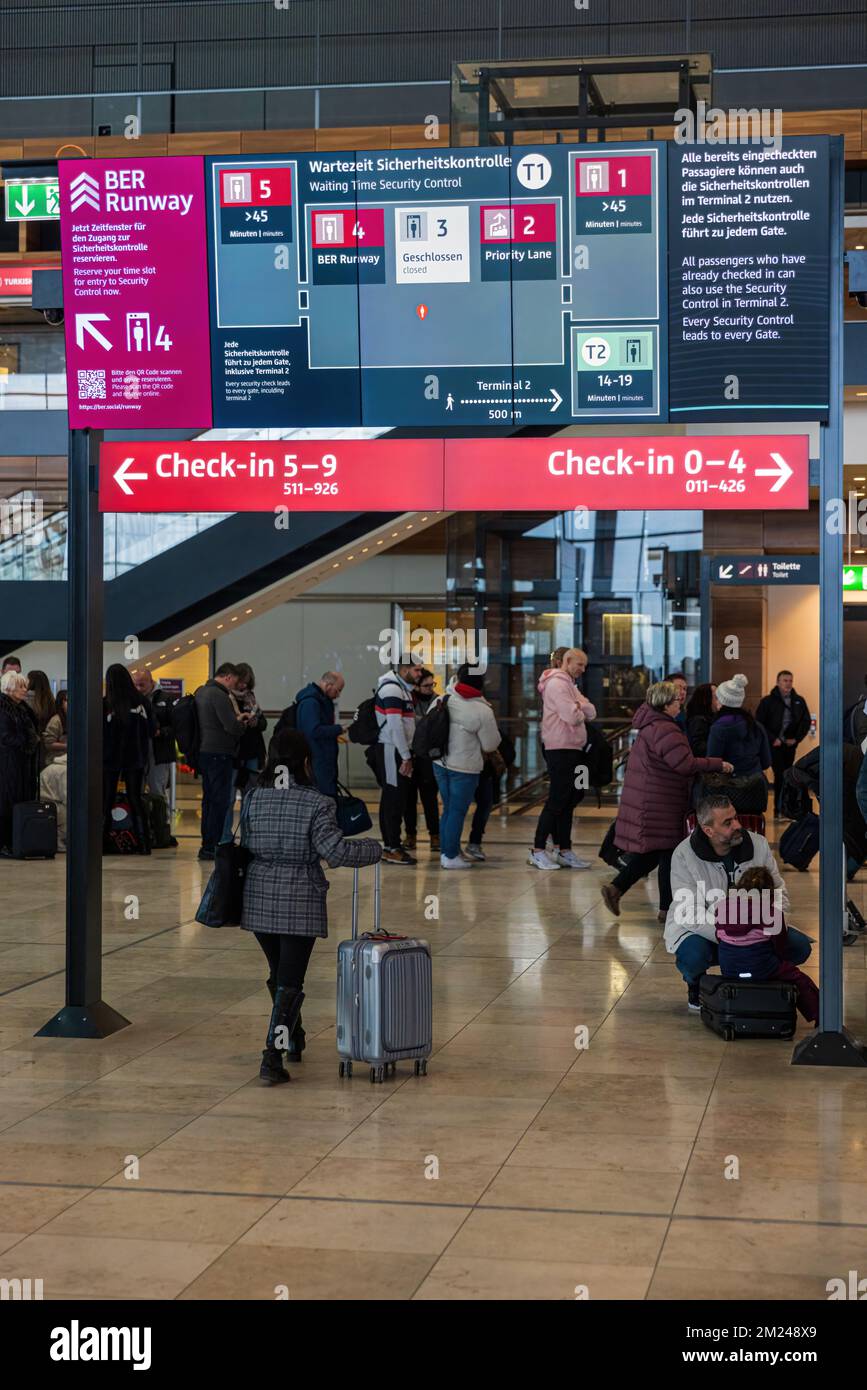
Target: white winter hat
731,693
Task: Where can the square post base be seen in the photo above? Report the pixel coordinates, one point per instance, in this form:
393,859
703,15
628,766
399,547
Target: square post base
97,1020
830,1050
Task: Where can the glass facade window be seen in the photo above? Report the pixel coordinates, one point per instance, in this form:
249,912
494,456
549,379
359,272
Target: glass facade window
622,585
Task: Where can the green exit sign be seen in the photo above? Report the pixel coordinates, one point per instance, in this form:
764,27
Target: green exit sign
855,576
32,200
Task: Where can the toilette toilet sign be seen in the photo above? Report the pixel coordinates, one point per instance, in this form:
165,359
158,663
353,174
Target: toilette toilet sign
135,293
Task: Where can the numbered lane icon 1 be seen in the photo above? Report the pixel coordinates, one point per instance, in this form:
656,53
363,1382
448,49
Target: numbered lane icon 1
596,351
533,171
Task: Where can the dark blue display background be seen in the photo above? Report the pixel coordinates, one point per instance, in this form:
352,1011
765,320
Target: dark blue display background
778,379
785,378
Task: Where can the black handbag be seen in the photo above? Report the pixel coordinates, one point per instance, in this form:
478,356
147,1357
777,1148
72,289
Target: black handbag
352,814
223,899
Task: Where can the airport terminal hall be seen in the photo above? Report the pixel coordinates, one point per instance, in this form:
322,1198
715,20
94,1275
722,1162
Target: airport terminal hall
433,440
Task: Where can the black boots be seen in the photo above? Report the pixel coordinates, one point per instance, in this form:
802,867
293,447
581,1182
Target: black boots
284,1017
297,1041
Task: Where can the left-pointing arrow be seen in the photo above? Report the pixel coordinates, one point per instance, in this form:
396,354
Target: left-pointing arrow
86,323
123,477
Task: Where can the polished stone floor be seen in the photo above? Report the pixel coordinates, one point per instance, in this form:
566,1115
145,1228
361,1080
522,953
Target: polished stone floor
153,1165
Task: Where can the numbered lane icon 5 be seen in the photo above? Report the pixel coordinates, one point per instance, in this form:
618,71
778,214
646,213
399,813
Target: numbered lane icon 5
596,351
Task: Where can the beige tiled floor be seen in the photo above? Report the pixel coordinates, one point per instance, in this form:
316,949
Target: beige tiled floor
152,1164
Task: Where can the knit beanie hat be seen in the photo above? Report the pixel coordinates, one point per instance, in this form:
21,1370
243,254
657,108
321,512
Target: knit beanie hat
731,693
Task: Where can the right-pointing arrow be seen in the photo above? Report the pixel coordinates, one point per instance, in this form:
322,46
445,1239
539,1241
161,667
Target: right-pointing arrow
556,398
782,472
123,477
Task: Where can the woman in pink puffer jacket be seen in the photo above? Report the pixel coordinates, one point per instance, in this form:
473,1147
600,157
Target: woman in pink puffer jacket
564,735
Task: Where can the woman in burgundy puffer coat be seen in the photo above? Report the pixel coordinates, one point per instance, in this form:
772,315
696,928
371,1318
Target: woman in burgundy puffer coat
655,797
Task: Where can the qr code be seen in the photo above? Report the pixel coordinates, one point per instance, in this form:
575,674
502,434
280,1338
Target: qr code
91,386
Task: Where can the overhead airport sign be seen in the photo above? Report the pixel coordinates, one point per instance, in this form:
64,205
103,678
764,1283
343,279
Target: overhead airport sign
135,294
32,200
491,287
310,475
206,475
764,569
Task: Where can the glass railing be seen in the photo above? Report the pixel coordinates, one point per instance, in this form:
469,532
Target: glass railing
33,547
33,391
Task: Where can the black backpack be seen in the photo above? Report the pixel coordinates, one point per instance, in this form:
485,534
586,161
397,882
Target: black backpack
365,726
431,737
186,728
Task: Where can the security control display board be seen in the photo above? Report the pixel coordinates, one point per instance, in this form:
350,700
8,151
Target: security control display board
748,296
438,287
495,288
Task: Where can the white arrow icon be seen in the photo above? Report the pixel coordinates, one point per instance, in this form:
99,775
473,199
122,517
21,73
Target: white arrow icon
84,189
848,576
27,206
123,478
556,397
782,472
725,571
85,323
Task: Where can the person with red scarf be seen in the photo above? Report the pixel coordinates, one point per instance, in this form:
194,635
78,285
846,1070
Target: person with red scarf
473,732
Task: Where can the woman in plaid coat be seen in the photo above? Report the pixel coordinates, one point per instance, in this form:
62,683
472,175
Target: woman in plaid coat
288,827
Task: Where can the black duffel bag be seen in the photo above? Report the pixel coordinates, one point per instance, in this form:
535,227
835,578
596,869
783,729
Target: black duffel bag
748,795
353,816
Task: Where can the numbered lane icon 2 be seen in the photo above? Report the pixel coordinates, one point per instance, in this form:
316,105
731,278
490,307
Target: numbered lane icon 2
596,351
533,171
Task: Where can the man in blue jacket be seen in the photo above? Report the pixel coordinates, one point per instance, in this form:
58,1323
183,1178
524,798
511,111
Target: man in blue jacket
315,718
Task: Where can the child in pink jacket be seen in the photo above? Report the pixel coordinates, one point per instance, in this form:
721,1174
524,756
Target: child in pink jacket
751,937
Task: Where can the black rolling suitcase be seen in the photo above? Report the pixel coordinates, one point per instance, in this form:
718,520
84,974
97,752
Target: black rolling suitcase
748,1008
34,830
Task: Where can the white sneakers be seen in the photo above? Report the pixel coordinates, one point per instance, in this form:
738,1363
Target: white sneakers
458,863
556,859
540,859
567,860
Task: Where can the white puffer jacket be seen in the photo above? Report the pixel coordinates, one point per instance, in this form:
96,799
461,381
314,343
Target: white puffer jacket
472,732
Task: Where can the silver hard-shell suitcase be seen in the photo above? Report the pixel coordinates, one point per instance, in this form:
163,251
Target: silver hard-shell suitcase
384,996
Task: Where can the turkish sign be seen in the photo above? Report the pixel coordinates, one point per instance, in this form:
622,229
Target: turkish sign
32,200
637,472
135,293
16,279
764,569
206,475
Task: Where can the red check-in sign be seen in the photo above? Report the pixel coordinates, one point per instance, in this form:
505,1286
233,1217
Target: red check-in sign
335,475
649,472
653,473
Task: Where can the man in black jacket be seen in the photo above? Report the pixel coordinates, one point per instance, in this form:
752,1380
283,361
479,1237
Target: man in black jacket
786,720
158,703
